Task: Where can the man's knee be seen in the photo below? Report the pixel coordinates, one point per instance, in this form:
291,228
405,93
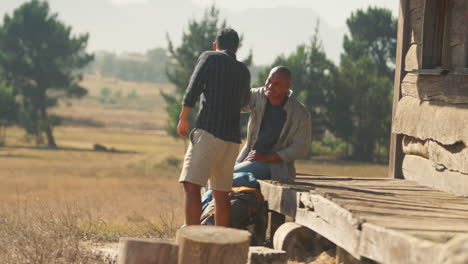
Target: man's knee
191,188
221,196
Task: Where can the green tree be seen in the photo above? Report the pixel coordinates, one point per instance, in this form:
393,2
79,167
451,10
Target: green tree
8,109
41,60
313,81
182,60
363,96
372,33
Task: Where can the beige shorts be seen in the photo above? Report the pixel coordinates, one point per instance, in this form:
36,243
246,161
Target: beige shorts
209,157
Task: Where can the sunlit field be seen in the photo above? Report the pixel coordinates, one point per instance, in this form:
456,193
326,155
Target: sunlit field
54,201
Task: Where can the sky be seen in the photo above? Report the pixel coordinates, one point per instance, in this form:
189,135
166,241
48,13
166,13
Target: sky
269,27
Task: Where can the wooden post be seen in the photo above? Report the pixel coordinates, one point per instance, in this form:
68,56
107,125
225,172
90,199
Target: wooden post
260,226
146,251
275,221
264,255
212,245
396,153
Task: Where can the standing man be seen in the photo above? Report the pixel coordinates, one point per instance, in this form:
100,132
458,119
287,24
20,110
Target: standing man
224,86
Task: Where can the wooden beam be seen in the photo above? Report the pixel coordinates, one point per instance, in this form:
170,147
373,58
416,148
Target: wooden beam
388,246
396,153
333,222
450,88
422,171
441,122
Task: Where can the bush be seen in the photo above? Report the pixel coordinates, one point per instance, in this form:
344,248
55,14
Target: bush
329,145
132,95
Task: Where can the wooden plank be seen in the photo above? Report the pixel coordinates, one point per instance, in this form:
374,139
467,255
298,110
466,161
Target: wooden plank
442,122
387,246
402,223
333,222
402,219
451,208
281,199
422,171
367,204
396,155
449,88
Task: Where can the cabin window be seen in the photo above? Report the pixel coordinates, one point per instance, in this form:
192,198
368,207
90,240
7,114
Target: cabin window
434,33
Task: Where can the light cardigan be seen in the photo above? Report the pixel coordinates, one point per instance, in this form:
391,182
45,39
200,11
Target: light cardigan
295,138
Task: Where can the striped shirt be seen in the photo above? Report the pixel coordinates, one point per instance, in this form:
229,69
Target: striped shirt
223,83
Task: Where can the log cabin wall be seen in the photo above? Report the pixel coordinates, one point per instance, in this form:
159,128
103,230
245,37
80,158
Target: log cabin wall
431,115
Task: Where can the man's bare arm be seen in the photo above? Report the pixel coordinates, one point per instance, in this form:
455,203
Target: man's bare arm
265,158
183,128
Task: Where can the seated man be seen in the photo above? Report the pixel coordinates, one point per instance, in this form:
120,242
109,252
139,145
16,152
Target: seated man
279,132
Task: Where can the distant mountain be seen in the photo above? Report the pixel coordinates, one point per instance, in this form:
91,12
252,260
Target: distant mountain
143,26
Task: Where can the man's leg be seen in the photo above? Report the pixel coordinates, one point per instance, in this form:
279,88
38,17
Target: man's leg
222,208
221,182
192,203
260,170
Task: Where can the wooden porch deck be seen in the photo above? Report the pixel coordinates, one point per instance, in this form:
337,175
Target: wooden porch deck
382,219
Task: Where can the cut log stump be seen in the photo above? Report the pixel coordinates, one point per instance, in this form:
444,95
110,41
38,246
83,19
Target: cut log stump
146,251
264,255
299,242
212,245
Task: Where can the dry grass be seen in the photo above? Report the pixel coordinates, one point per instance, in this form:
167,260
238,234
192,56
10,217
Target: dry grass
144,112
52,200
57,198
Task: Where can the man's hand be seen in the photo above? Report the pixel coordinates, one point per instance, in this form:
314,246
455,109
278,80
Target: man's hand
265,158
183,128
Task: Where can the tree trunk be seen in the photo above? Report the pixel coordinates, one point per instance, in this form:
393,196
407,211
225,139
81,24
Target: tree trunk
48,129
2,134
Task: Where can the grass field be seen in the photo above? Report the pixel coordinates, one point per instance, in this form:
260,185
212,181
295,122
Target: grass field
51,201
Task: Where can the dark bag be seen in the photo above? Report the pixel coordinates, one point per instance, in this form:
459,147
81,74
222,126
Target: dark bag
248,212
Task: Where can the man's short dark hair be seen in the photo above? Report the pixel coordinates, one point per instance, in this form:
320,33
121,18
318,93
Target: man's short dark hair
282,70
227,39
